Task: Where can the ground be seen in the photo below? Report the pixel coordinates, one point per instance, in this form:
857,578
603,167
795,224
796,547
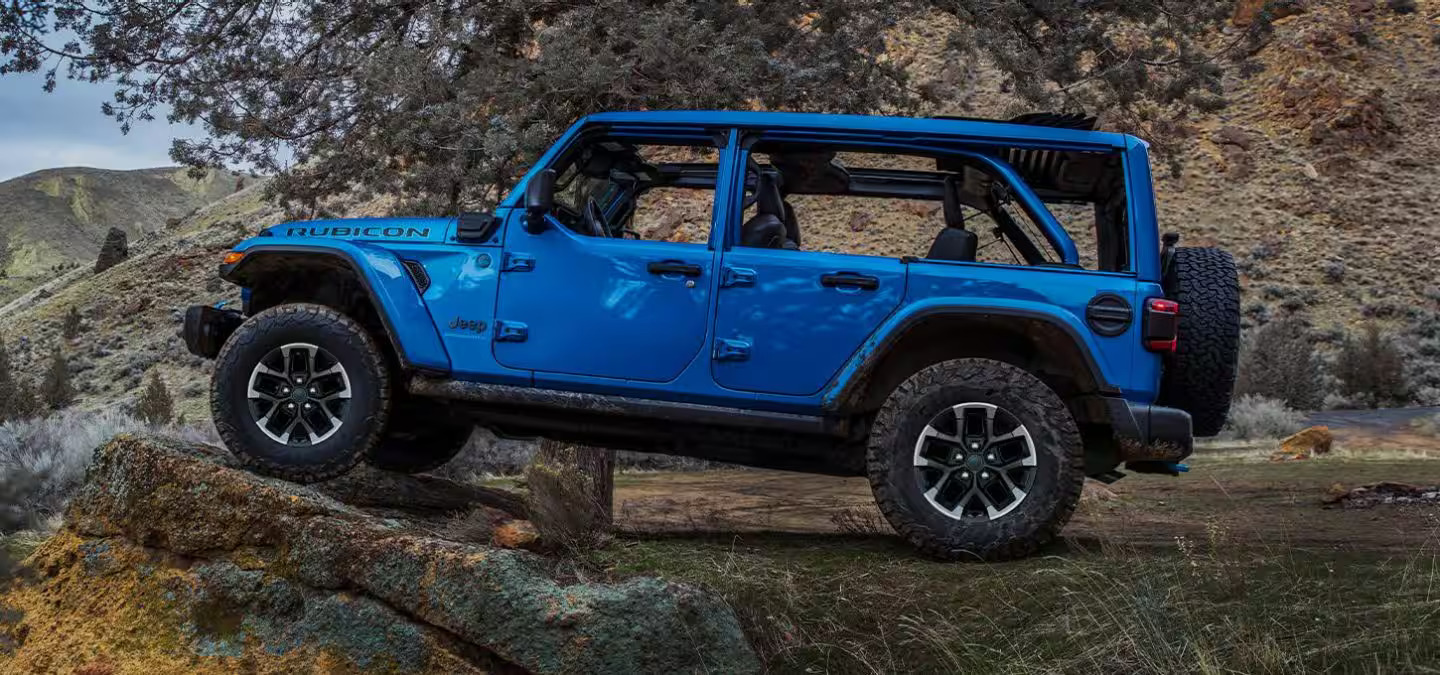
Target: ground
1236,566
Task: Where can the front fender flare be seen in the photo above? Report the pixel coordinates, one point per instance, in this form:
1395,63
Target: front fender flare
403,313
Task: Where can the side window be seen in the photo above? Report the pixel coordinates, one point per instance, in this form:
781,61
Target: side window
652,192
672,214
946,207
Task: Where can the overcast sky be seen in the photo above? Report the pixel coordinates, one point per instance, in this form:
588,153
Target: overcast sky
66,128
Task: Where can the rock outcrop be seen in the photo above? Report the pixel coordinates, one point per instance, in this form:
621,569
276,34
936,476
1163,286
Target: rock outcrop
173,560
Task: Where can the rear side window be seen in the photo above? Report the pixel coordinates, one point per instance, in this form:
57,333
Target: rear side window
839,200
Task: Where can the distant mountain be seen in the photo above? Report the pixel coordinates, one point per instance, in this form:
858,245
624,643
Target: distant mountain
59,217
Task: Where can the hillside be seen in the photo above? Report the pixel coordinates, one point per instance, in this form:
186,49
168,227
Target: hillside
60,216
1318,177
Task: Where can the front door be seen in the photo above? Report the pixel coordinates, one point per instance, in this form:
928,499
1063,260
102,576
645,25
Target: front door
619,283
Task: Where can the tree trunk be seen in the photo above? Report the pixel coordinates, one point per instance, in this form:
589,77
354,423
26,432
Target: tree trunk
596,464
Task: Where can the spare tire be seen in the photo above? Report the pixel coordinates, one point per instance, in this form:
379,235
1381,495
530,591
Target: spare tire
1200,376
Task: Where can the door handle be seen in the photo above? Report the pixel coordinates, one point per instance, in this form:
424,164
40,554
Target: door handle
849,280
673,267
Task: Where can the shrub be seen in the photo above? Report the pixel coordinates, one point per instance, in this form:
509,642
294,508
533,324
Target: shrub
43,461
56,391
1278,361
1334,271
1371,369
155,405
70,327
1428,425
1257,417
1421,354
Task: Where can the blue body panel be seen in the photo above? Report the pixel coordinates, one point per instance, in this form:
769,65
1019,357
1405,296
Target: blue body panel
559,310
405,312
589,306
798,332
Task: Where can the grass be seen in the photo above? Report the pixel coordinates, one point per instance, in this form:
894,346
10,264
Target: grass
1231,593
851,604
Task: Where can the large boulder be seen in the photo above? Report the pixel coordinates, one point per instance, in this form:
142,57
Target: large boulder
172,556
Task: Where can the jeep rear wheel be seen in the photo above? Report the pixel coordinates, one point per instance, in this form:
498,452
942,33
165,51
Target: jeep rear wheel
416,442
1200,376
975,459
300,392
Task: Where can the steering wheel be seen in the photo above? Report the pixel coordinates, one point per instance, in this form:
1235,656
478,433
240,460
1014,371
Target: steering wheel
595,219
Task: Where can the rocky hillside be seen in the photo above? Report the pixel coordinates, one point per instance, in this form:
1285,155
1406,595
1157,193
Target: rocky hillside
60,216
1318,176
172,561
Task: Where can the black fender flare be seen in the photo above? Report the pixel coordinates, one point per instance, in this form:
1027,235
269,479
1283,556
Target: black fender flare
850,389
403,314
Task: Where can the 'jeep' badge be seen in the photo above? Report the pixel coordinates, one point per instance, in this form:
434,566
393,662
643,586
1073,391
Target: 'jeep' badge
458,323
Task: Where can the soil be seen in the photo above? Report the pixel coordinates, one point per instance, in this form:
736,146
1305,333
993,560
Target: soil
1259,503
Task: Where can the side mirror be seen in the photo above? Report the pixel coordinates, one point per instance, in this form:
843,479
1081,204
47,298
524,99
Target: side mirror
539,200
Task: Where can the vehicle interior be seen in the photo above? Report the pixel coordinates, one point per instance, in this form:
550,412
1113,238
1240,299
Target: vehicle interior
597,193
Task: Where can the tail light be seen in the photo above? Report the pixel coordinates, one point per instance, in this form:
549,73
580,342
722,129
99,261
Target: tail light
1162,325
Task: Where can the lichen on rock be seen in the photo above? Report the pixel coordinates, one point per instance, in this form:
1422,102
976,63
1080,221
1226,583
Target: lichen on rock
172,559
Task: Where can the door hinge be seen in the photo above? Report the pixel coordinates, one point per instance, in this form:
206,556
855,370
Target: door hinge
518,262
737,276
732,350
511,331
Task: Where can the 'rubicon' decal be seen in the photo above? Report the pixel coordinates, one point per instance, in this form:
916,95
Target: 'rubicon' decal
379,231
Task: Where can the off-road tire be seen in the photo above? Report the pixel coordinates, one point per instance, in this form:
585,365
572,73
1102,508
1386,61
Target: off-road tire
418,443
1060,474
1200,376
364,419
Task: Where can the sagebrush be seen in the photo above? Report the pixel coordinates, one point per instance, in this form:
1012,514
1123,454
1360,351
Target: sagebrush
43,460
1254,417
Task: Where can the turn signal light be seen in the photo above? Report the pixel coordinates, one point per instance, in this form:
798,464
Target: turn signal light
1162,325
232,257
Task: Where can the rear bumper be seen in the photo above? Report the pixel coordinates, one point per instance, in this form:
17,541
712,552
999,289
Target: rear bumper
207,328
1150,434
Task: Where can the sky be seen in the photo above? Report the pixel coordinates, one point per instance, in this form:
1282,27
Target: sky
66,128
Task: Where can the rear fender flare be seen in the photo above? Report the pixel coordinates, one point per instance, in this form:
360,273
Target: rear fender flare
850,384
403,313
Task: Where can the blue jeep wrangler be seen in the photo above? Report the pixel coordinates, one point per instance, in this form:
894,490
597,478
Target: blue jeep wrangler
672,282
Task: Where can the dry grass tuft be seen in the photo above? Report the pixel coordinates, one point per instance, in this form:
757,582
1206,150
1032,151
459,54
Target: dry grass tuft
563,508
860,520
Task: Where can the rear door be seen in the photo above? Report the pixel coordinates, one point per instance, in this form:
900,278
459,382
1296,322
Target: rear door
786,321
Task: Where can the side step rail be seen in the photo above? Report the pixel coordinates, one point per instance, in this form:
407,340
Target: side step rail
623,406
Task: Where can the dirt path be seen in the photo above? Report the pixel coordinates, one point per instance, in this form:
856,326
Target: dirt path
1381,429
1253,503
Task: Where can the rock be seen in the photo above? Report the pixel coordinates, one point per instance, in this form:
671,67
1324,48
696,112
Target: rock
859,220
1230,135
1246,11
1306,444
115,250
173,542
1095,492
1384,493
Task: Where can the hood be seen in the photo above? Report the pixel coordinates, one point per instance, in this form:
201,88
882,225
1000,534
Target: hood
365,229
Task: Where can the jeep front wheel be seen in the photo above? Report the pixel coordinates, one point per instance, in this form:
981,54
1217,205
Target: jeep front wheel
977,459
300,392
